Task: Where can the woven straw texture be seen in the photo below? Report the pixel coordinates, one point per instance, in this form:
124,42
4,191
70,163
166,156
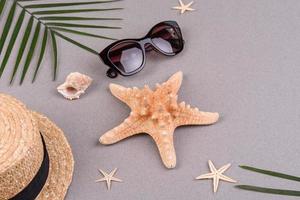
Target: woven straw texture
21,151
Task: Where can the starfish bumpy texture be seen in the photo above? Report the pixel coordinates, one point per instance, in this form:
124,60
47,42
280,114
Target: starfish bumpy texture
157,113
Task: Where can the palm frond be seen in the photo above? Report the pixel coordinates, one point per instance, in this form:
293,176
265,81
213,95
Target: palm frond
54,48
31,51
12,41
82,33
7,25
52,5
76,43
2,4
269,190
271,173
43,48
54,12
63,18
22,47
50,20
80,25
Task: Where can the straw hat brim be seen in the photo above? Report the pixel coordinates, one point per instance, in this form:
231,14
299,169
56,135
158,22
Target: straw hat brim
61,160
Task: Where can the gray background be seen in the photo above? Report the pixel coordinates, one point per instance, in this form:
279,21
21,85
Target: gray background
241,59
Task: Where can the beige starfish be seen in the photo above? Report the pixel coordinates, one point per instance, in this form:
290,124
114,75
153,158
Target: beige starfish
108,178
216,175
158,114
183,8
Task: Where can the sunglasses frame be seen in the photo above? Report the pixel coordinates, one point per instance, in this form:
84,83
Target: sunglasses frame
146,45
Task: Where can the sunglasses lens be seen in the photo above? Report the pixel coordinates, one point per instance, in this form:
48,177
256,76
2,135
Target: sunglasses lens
127,56
166,39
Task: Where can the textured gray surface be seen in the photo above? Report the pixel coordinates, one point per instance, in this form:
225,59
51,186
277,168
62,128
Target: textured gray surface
241,59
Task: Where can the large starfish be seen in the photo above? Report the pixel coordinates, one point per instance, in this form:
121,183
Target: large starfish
158,114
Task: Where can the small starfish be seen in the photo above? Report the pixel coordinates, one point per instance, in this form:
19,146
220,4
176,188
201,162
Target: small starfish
183,8
108,178
216,175
157,113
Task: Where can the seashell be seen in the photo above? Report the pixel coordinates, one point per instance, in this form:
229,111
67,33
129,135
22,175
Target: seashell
75,85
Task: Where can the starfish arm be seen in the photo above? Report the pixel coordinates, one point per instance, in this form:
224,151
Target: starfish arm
103,173
172,85
205,176
189,4
165,144
112,173
216,184
192,116
181,3
211,166
131,126
226,178
126,95
108,182
224,168
190,9
176,8
116,179
100,180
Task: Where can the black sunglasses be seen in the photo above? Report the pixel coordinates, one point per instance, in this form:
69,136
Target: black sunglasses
127,56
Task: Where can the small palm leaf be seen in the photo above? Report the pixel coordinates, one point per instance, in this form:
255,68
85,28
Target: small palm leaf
22,47
43,48
51,5
7,26
42,18
54,12
2,4
54,48
269,190
31,51
80,25
82,33
77,43
12,41
62,18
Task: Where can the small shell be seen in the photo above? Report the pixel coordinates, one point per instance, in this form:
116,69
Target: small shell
75,85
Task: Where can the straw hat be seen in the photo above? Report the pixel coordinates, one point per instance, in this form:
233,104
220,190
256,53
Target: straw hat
36,161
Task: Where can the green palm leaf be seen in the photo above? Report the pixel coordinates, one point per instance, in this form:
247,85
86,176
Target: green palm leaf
269,190
80,25
51,5
31,51
82,33
76,43
271,173
43,48
55,28
7,26
54,48
62,18
12,41
22,47
53,12
2,4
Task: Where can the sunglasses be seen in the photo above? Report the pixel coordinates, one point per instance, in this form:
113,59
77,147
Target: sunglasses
127,56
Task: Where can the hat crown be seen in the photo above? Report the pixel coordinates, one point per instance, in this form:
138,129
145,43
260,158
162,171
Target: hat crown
21,148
